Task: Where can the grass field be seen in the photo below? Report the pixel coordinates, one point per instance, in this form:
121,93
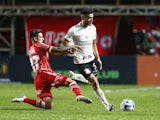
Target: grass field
146,98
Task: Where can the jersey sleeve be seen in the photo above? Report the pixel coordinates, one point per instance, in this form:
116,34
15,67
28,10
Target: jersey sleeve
69,34
45,47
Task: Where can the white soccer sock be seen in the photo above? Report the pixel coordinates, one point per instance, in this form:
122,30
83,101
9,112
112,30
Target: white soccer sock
40,104
100,94
79,77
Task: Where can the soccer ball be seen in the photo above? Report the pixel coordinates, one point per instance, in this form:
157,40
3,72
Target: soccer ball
127,105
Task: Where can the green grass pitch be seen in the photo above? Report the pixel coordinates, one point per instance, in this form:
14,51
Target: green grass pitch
146,98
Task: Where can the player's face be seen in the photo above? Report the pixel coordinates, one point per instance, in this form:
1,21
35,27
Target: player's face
87,19
40,38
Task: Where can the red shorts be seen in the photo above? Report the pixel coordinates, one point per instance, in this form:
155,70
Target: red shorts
44,82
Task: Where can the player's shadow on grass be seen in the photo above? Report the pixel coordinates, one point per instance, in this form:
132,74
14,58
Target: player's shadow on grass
22,109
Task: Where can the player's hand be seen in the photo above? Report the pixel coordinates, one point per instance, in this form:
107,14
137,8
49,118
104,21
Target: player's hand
74,48
100,63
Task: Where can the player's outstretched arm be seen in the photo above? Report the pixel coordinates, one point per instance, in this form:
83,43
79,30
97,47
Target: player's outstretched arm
57,51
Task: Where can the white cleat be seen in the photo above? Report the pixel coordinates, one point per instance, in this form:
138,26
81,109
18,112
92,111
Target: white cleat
77,77
84,99
18,99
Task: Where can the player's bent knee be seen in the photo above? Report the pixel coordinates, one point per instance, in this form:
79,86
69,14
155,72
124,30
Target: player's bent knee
48,103
69,81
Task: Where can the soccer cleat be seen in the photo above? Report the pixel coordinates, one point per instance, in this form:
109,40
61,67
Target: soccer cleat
84,99
111,107
18,99
77,77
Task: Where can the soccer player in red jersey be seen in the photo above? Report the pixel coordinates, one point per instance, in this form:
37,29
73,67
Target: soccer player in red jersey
44,77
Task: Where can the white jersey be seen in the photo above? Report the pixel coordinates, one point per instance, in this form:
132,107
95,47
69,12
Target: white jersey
82,36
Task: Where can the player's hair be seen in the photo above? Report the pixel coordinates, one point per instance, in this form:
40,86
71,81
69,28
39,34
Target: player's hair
86,11
35,32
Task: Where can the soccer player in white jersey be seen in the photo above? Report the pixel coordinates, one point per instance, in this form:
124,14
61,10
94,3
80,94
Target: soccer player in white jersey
87,60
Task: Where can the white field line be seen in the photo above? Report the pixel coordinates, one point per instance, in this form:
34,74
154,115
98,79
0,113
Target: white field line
133,89
65,118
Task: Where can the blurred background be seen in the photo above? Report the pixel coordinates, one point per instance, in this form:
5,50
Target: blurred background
128,37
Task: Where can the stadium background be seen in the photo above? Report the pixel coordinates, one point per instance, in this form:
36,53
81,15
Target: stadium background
128,37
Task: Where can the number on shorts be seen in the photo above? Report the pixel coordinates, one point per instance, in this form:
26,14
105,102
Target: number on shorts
94,66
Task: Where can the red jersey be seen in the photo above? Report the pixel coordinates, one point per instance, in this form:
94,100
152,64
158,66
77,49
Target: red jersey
39,57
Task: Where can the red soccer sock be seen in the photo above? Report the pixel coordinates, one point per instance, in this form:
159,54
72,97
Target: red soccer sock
75,88
36,103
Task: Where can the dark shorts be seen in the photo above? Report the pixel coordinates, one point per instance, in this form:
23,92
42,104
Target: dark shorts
88,68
